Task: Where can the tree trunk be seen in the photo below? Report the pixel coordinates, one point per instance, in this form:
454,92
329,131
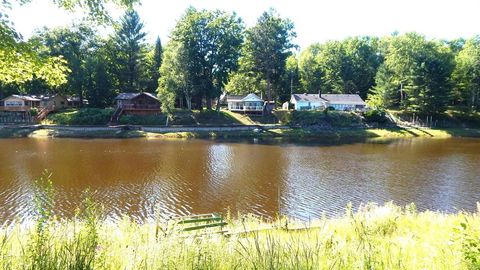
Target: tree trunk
209,103
269,90
80,97
218,104
188,99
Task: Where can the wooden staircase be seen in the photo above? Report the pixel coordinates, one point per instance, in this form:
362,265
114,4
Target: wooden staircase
43,113
116,115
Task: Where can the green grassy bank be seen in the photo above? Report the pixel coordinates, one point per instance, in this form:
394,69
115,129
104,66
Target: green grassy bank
387,237
96,116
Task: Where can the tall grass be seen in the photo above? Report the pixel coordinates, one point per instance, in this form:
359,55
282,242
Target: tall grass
374,237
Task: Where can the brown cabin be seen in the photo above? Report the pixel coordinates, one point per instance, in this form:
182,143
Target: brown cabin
136,104
54,102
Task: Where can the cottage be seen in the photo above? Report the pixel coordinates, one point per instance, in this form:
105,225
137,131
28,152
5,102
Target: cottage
54,102
136,104
19,103
249,104
340,102
74,102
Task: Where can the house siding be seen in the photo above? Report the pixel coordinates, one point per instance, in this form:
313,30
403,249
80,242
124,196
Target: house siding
300,105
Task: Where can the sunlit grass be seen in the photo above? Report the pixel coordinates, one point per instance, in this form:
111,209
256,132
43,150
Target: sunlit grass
386,237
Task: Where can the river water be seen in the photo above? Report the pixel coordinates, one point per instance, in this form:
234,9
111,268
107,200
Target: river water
148,178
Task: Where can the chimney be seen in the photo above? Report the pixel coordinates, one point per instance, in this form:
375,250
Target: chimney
319,93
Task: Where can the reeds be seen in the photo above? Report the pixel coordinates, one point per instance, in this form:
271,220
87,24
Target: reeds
374,237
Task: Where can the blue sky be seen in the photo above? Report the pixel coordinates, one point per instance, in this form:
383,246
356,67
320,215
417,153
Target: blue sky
315,21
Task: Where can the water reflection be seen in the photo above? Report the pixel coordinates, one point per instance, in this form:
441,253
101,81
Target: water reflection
142,178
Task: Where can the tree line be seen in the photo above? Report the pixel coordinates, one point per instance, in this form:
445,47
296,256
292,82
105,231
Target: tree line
211,52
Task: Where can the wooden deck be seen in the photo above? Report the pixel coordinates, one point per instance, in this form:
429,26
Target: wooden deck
15,109
136,107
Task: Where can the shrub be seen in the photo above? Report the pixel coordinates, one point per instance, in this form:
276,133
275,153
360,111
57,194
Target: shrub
33,111
284,117
143,119
375,116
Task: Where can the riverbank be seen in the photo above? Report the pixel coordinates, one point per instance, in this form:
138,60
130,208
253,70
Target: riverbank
253,131
388,237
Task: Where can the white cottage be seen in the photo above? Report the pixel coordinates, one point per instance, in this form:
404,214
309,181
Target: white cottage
339,102
250,103
54,102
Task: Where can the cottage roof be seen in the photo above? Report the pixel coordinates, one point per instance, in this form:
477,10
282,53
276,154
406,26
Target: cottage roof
128,96
74,98
23,97
46,97
307,98
343,99
252,98
237,98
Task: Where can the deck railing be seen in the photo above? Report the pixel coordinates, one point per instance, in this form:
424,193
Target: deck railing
15,108
246,108
140,106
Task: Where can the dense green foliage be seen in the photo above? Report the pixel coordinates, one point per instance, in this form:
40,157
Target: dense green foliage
421,68
21,61
203,51
263,62
467,75
347,66
375,116
129,53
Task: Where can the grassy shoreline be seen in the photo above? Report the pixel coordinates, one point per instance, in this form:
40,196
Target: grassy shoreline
297,133
386,237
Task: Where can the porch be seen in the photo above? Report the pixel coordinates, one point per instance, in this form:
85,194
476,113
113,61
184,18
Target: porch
139,107
15,108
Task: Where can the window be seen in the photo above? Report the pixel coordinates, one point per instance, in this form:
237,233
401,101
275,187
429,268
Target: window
13,103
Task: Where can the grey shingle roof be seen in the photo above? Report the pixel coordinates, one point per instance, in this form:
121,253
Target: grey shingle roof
26,98
343,99
127,96
307,98
235,97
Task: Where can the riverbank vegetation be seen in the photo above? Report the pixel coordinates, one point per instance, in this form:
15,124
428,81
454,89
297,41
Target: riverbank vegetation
373,237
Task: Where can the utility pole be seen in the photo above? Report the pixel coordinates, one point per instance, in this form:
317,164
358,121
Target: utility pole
401,92
291,82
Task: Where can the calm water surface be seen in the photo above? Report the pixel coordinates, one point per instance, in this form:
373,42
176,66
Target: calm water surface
140,178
